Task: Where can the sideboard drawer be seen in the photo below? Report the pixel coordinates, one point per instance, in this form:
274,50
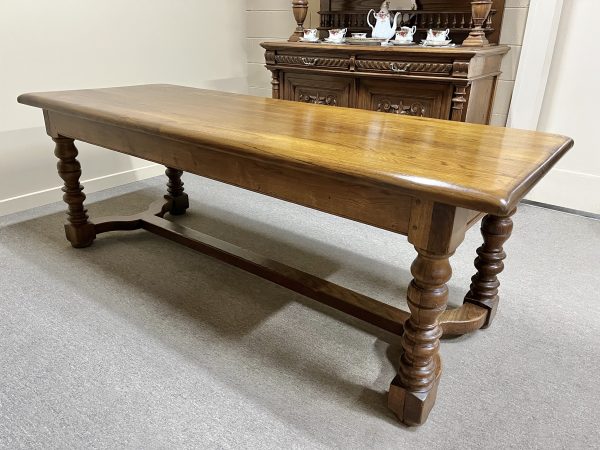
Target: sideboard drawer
312,61
403,67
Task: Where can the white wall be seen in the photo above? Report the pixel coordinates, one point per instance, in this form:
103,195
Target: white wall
266,20
570,107
71,44
511,34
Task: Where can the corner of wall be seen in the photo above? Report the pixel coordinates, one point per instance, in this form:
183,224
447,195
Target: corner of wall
511,34
266,20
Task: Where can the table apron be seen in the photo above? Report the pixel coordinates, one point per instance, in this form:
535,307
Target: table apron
364,203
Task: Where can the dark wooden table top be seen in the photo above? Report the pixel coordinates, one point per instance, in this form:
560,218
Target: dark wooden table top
484,168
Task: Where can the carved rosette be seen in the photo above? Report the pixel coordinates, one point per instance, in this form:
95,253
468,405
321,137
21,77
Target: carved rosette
318,99
413,109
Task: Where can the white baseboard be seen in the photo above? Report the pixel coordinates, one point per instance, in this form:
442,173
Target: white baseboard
33,199
569,189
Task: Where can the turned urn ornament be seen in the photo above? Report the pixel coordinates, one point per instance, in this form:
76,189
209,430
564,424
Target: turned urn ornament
480,10
300,10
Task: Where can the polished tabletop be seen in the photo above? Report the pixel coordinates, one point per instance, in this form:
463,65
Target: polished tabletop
484,168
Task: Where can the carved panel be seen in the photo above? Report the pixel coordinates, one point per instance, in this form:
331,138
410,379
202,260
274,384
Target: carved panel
400,67
270,57
409,98
411,109
318,89
313,61
317,98
460,69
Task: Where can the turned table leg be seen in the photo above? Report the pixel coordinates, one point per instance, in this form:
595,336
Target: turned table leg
413,391
179,200
80,232
489,263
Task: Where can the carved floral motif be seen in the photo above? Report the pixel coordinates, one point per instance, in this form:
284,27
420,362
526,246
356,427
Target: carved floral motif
413,109
318,99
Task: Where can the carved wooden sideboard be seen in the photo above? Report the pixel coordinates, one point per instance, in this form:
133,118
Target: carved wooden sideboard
445,83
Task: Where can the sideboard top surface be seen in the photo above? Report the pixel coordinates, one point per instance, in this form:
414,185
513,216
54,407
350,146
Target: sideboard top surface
454,52
479,167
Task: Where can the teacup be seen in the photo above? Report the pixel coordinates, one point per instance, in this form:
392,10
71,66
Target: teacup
405,34
337,34
311,34
359,35
438,35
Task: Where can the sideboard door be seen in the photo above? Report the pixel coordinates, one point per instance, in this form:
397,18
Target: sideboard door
318,89
405,97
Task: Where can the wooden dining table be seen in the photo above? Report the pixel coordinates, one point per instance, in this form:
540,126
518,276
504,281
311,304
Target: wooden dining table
428,179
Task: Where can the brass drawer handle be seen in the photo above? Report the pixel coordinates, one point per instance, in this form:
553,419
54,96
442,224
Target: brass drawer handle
395,68
309,61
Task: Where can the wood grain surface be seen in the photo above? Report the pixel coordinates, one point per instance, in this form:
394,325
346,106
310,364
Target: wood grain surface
482,168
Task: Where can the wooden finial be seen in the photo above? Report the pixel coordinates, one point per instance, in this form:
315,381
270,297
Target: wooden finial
300,9
480,10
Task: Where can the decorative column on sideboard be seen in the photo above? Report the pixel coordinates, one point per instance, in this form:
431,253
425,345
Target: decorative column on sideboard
300,9
480,10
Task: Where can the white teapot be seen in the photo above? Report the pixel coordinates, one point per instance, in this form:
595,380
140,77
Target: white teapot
383,29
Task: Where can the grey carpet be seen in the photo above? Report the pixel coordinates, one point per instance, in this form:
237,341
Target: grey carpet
137,342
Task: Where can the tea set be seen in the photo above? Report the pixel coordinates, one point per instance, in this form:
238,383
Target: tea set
383,32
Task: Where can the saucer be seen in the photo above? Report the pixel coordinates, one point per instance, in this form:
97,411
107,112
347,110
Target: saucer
365,41
427,43
329,41
314,41
396,42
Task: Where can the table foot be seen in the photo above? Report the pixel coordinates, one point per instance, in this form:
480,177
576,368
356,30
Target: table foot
412,408
180,202
489,263
79,231
80,236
